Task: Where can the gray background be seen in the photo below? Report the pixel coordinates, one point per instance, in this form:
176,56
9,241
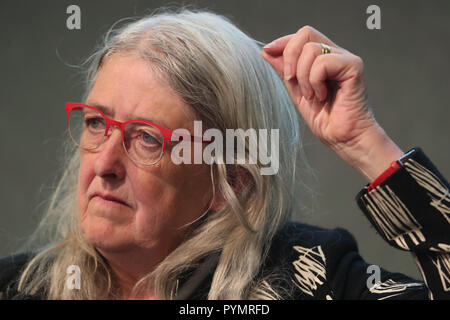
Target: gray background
407,64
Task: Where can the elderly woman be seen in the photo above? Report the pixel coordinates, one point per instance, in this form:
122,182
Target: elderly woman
137,224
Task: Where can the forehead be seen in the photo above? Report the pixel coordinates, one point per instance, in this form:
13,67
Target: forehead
128,87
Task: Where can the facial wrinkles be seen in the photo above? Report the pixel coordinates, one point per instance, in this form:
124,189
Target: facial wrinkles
164,196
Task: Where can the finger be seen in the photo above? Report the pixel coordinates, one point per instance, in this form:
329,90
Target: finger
327,66
310,52
275,62
276,47
291,85
273,53
295,46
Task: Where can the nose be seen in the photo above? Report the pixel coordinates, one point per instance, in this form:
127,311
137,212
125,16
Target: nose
110,160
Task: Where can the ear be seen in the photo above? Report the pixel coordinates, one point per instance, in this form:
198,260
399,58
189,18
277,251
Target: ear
239,178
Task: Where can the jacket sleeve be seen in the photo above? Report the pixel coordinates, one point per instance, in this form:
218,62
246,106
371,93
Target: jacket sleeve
312,263
410,209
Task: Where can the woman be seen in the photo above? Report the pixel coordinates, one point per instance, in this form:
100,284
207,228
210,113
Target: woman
138,225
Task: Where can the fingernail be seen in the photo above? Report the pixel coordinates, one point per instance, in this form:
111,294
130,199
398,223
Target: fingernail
310,93
269,45
321,96
287,72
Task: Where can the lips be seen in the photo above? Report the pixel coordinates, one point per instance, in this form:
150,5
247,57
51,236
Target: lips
110,197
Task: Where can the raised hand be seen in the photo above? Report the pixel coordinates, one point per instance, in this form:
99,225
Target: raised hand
330,93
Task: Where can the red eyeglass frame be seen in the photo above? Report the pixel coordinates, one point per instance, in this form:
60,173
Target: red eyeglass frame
166,133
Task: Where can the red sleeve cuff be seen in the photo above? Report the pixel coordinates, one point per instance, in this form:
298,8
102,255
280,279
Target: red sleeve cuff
395,165
386,173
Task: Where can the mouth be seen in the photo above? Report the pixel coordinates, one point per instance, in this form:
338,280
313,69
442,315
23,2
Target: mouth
109,199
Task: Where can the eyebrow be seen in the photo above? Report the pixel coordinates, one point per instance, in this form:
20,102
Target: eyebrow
110,113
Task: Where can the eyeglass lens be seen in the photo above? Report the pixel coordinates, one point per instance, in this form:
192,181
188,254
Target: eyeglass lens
142,141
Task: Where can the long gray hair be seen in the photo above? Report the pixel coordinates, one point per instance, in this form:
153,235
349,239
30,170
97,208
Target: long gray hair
217,69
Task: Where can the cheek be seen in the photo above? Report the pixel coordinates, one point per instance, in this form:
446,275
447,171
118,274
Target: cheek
86,175
162,201
153,198
177,197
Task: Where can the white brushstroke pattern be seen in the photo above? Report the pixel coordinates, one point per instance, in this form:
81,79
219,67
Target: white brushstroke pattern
441,247
442,264
393,217
424,277
437,191
390,286
310,267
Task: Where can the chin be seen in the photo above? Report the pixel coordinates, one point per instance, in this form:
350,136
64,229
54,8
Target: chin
106,235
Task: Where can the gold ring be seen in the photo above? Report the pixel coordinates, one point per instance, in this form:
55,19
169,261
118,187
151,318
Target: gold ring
325,49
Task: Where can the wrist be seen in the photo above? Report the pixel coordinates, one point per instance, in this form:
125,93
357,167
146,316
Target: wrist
372,153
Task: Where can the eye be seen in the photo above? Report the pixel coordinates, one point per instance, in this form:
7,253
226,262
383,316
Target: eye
148,139
95,123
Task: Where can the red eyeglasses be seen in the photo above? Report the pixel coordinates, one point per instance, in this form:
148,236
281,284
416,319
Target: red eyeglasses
143,141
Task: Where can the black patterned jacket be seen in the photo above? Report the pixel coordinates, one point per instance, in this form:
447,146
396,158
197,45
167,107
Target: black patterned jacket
410,209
